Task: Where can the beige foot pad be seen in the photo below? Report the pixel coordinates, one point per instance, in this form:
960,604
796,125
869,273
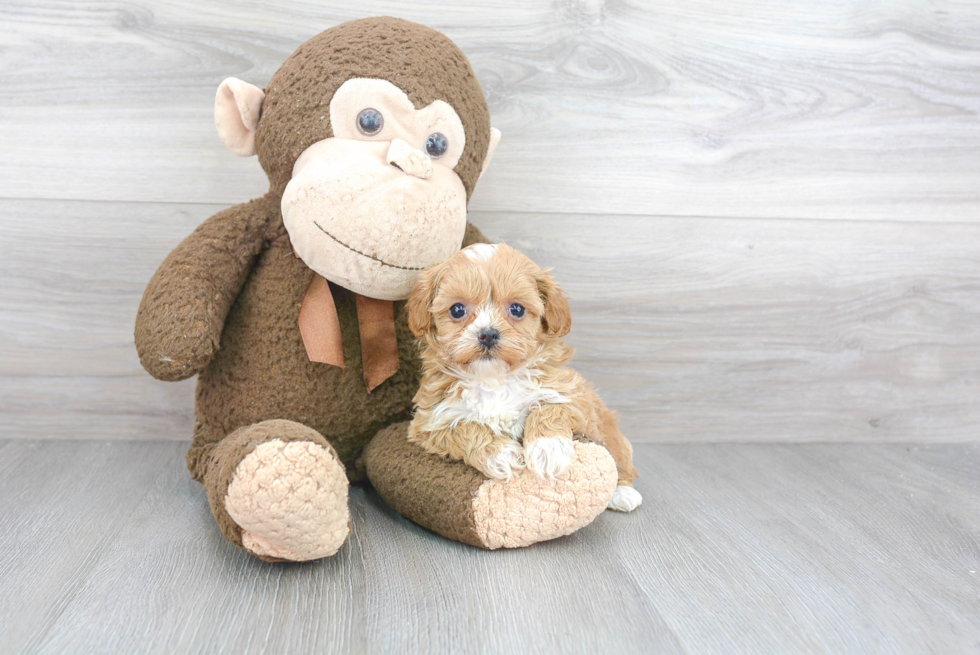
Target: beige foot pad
528,509
290,500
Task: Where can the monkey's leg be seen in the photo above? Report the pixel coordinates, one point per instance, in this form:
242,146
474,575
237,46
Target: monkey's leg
279,491
458,502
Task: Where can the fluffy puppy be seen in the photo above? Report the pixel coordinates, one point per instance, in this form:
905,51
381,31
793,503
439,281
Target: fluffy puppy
497,391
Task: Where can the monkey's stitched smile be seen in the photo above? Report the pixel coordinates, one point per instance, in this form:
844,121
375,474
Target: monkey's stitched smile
364,254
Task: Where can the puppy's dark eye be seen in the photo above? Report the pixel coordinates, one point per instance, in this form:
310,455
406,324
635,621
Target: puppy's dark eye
516,310
457,311
436,145
370,122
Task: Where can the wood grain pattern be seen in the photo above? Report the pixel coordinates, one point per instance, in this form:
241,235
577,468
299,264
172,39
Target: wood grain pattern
109,547
818,110
762,330
693,328
811,549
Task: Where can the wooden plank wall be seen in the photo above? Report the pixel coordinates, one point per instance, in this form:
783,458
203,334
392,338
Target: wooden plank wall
766,213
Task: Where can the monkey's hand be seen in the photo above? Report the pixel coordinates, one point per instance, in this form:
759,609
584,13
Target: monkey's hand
182,314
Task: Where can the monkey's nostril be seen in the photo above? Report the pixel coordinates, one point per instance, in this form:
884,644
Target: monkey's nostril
489,337
408,159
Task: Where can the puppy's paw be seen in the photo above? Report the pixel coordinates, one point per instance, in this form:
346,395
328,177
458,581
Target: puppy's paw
625,499
502,464
550,457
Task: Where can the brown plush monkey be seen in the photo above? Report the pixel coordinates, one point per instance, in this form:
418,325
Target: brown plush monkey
289,307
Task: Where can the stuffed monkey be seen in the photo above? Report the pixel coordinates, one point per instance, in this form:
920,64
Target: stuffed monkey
290,310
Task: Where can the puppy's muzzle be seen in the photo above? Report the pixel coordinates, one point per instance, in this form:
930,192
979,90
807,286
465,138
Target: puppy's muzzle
488,338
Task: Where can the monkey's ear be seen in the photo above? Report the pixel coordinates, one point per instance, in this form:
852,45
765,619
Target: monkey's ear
557,313
494,140
237,107
420,303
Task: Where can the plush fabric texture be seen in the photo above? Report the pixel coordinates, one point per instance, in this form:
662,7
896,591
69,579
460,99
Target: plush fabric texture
434,492
411,160
456,501
183,310
225,305
237,107
421,61
290,500
223,460
261,370
373,240
527,509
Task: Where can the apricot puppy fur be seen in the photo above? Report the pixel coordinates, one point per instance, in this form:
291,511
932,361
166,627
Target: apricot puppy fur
497,391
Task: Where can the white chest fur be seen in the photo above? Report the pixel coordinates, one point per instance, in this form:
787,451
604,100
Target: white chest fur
500,403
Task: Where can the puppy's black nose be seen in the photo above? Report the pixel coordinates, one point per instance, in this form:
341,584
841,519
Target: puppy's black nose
489,337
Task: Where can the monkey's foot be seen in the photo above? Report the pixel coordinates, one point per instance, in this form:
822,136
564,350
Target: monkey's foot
290,500
459,502
529,509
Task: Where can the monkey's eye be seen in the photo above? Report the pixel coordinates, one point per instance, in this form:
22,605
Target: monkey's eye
436,145
370,122
457,311
516,310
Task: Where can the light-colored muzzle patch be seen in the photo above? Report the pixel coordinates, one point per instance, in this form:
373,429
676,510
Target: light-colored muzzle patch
367,225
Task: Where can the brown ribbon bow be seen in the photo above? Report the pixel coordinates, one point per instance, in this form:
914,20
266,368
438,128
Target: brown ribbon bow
320,328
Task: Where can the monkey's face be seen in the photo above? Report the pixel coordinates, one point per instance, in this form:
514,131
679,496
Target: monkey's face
374,187
372,206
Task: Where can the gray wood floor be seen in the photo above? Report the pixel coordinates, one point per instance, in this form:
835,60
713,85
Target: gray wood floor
109,548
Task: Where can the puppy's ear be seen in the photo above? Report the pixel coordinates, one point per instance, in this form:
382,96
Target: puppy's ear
557,314
420,303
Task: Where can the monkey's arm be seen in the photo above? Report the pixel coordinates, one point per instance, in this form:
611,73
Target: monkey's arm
182,314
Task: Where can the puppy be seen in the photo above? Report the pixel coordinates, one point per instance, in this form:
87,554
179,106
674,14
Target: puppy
497,391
